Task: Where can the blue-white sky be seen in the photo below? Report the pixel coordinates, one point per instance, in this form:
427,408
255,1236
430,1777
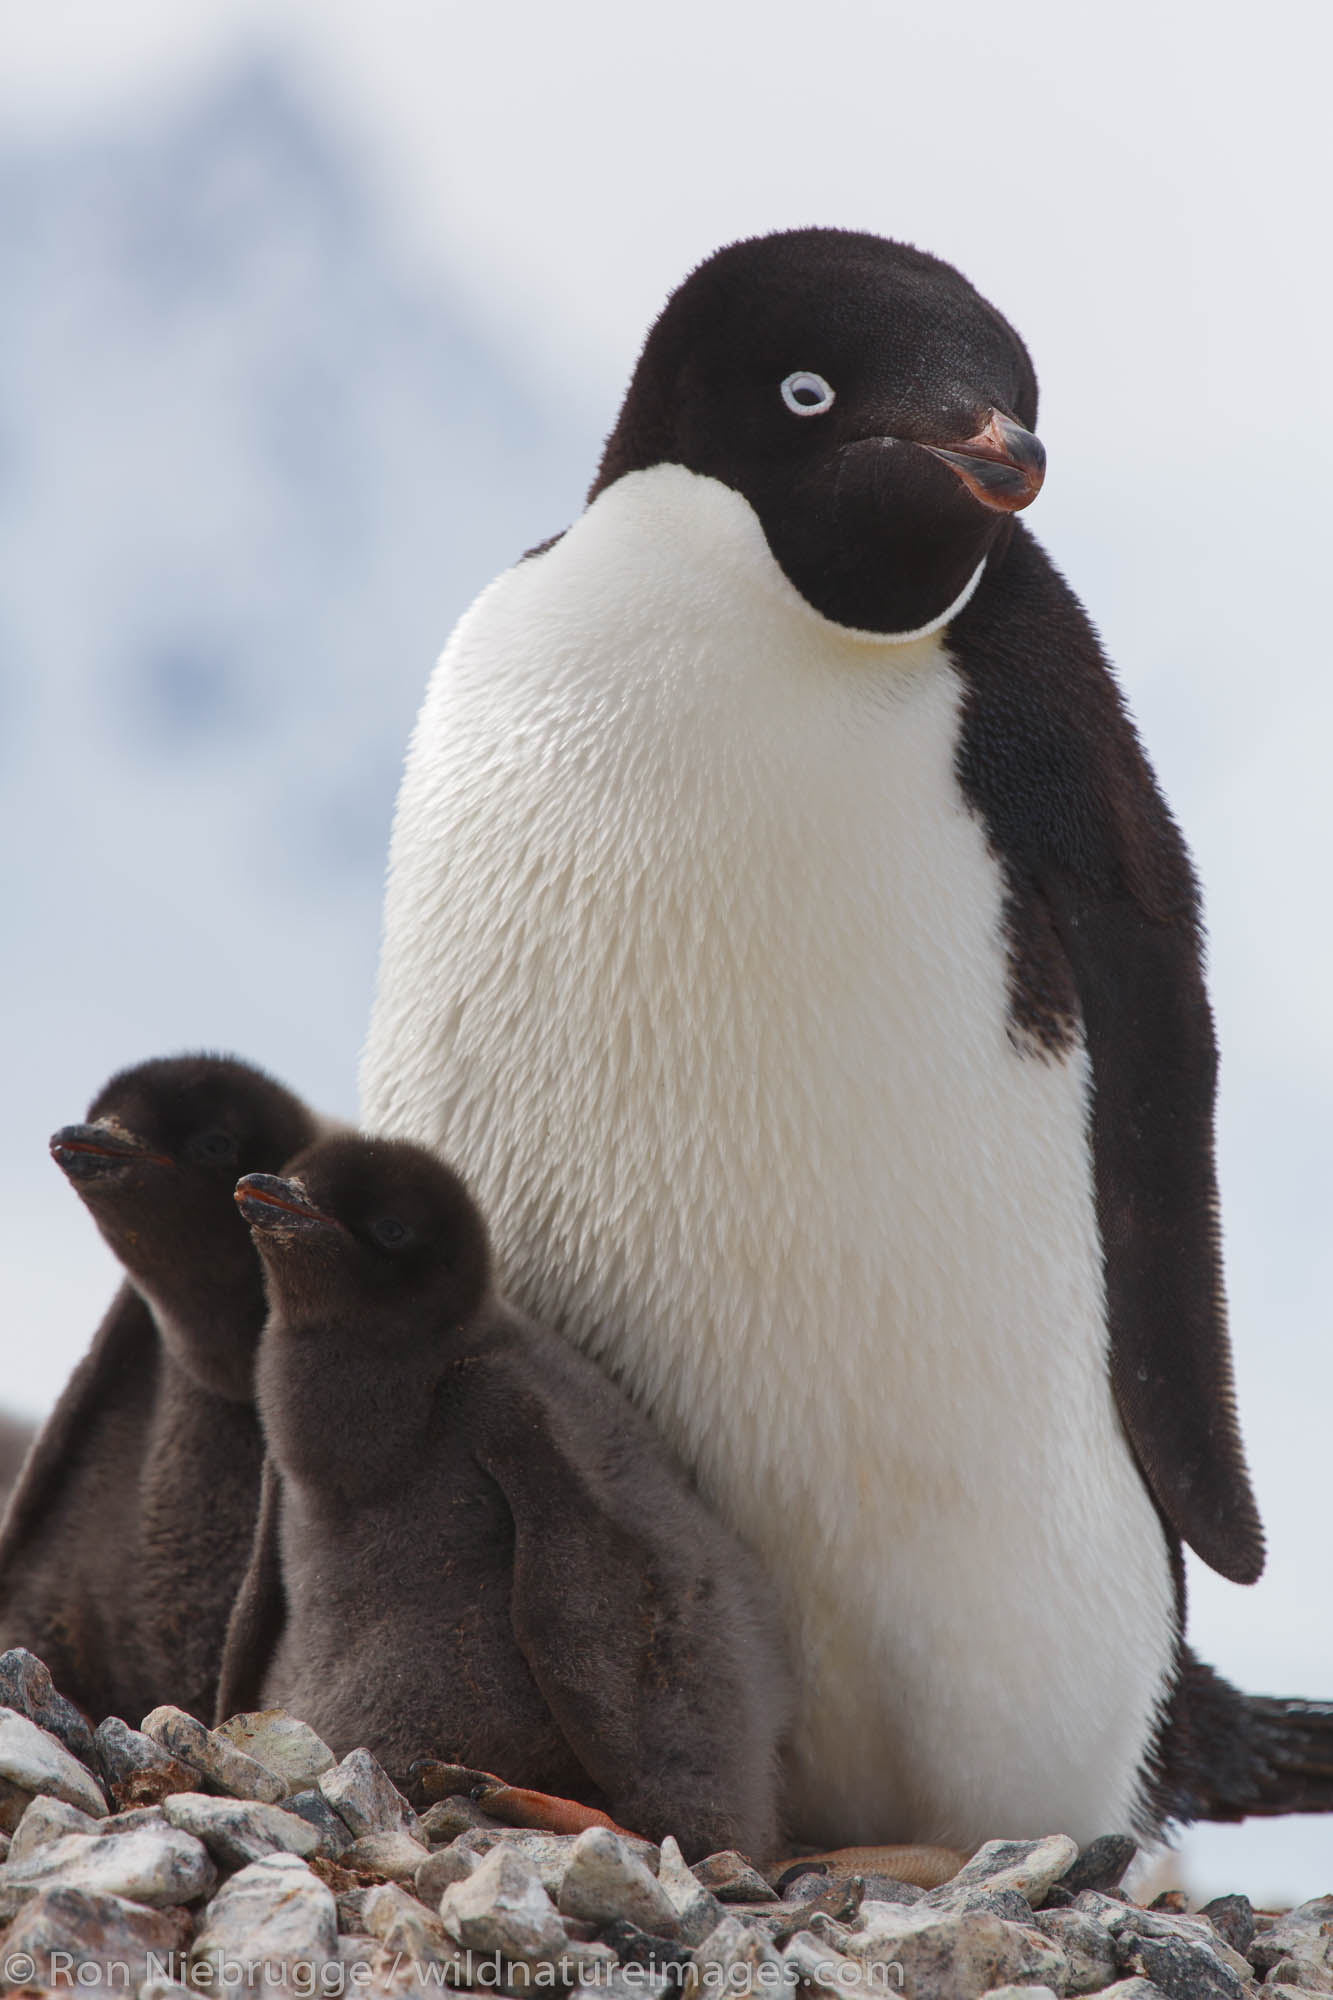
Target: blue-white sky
318,313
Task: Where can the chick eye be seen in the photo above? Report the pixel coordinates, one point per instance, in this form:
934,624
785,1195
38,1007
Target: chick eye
212,1148
389,1232
807,394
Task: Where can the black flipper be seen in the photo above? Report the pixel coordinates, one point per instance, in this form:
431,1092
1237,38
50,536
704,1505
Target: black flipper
1228,1756
1104,928
259,1613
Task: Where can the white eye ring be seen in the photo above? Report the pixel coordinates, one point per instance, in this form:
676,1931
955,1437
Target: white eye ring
807,394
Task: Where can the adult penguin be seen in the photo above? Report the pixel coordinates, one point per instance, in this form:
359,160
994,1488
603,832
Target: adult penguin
786,931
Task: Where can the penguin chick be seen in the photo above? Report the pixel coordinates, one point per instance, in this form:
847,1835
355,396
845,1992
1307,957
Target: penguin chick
472,1546
131,1525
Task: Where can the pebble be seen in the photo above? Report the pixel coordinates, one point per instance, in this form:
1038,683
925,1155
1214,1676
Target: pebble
548,1853
238,1831
439,1871
502,1907
401,1923
48,1819
732,1879
32,1760
26,1685
156,1867
1182,1969
1030,1867
225,1767
274,1914
1291,1931
334,1834
817,1965
363,1795
281,1744
97,1932
396,1856
1101,1864
951,1952
698,1911
1232,1917
1087,1945
737,1958
136,1770
603,1881
447,1818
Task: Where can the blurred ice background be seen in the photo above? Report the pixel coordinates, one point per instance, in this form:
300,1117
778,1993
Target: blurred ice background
312,316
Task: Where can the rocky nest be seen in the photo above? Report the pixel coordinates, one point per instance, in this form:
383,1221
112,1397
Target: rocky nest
247,1857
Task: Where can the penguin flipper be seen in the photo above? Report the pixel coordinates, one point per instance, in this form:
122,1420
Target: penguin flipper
259,1614
125,1341
640,1658
1149,1036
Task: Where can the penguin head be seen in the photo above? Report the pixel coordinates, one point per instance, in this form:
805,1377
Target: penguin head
155,1163
867,402
375,1230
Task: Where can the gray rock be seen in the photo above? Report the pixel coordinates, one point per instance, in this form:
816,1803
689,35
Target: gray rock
625,1982
815,1964
440,1870
1294,1928
502,1907
334,1835
1307,1967
26,1685
548,1853
1232,1917
738,1958
1101,1865
1019,1993
401,1923
1087,1945
46,1820
32,1760
91,1931
223,1767
135,1768
1132,1989
1183,1969
156,1867
163,1989
276,1915
4,1846
363,1795
698,1911
447,1818
946,1952
395,1856
238,1831
1029,1866
281,1744
604,1881
133,1820
732,1880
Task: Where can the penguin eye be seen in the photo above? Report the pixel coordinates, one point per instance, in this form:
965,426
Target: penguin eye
807,394
211,1149
390,1233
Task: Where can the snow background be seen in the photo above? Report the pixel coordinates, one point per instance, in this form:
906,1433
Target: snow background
312,316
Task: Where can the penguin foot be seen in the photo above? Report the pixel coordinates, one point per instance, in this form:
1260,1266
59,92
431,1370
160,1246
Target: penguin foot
517,1806
924,1867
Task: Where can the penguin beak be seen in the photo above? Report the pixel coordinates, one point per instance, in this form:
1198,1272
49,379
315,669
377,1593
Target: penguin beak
1003,465
280,1208
98,1152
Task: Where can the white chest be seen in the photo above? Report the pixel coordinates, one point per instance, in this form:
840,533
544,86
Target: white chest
694,964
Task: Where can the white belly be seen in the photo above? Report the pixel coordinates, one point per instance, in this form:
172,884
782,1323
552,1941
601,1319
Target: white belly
694,965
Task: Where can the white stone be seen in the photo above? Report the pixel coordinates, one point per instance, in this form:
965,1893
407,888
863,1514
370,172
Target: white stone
503,1907
281,1744
363,1795
33,1760
604,1881
276,1914
238,1831
157,1867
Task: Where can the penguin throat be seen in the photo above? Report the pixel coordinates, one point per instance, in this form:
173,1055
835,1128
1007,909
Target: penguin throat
931,625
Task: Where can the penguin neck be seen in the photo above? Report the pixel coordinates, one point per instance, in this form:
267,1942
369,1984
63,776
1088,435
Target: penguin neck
346,1417
207,1302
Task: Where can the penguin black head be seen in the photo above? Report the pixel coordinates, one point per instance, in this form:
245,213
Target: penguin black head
155,1164
372,1229
873,409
